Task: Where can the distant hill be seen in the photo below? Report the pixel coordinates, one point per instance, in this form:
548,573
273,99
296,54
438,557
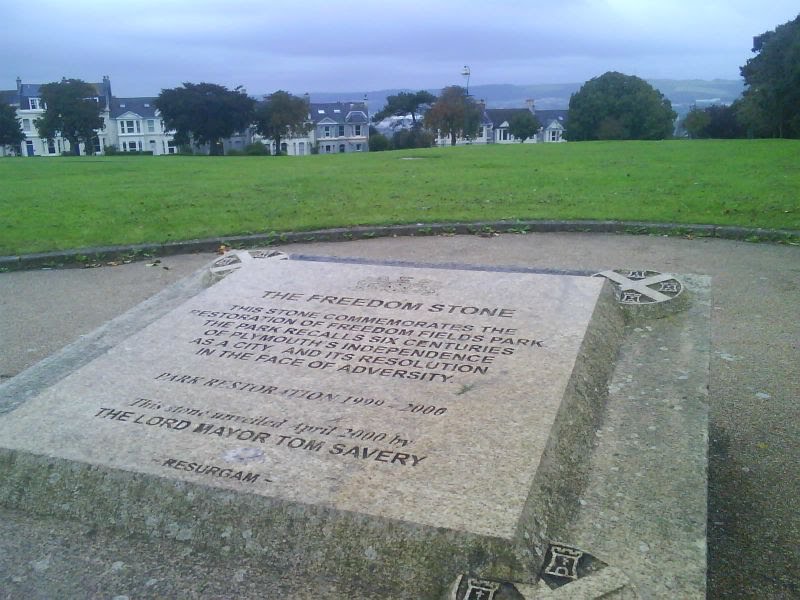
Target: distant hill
683,93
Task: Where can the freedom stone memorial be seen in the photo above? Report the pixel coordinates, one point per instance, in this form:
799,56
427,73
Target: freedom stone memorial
414,431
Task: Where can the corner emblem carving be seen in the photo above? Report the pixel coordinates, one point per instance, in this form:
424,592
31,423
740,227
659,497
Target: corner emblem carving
643,287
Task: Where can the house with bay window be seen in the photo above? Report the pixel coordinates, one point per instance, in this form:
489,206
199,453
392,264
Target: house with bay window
130,124
340,127
334,128
552,124
27,101
137,127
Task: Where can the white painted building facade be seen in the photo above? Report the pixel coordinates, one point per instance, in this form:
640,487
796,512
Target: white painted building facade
130,124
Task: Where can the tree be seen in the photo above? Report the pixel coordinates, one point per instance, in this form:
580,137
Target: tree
11,133
523,125
411,138
378,142
71,110
696,123
205,113
770,106
620,107
404,103
719,122
282,114
454,113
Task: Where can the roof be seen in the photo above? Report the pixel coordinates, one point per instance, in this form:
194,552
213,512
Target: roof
144,107
33,90
498,116
338,112
546,117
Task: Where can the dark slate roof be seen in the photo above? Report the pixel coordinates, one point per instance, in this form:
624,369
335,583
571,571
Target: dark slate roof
339,112
548,116
144,107
499,115
30,90
33,90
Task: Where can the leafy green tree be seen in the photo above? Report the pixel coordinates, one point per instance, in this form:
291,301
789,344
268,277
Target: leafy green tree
411,138
71,111
256,149
205,113
719,122
404,103
280,115
696,122
378,142
770,106
11,133
454,113
523,125
619,107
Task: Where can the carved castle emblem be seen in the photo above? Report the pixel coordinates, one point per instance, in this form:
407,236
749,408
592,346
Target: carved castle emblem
563,562
474,589
399,285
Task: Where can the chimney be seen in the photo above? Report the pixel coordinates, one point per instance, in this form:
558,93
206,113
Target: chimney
19,84
529,103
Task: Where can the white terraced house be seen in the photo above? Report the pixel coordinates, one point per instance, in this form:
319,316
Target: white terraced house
334,128
131,124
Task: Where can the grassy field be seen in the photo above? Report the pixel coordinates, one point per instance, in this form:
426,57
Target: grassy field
60,203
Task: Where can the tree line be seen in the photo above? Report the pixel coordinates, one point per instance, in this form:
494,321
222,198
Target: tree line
612,106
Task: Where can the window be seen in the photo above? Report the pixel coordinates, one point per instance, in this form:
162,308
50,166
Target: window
26,124
97,145
341,130
171,148
358,147
35,103
554,135
284,148
341,147
151,126
51,146
129,126
327,147
327,131
358,129
130,146
504,134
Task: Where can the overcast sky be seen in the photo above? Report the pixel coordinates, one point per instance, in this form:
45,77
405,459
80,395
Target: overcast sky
321,45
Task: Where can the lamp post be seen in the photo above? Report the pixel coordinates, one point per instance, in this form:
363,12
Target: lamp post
466,73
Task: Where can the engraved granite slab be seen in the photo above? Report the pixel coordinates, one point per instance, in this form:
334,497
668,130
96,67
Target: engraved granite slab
432,398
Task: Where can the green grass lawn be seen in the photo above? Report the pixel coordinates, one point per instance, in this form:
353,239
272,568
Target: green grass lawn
61,203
